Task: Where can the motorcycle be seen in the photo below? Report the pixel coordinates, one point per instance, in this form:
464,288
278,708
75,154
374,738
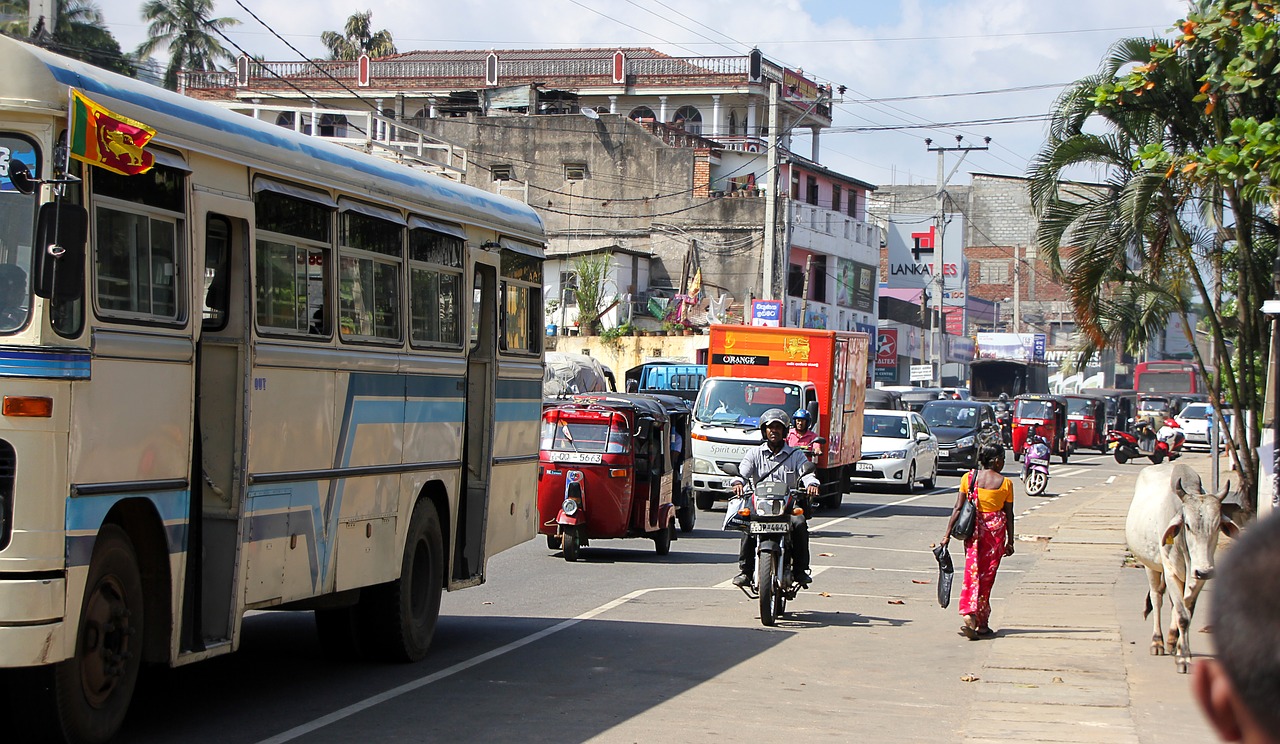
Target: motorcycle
1004,417
1143,442
1035,465
766,513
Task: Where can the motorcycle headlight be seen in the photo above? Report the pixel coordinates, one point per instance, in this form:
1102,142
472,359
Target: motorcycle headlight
963,442
703,466
769,507
570,507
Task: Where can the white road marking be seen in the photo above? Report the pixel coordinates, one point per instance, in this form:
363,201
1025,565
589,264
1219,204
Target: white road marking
907,500
1069,473
462,666
867,547
1111,480
898,570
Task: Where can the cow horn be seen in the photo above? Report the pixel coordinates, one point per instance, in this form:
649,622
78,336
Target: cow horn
1178,489
1223,493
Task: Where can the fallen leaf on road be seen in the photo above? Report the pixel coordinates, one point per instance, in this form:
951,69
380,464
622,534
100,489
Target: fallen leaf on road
486,603
919,581
1207,629
969,678
1028,687
825,555
1035,538
1057,680
896,601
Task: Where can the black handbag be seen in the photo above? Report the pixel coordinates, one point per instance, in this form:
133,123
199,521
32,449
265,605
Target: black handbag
945,572
968,517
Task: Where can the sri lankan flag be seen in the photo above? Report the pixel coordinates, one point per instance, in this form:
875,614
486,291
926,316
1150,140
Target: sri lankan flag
108,140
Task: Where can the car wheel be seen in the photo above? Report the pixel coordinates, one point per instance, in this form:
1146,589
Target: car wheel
932,480
910,485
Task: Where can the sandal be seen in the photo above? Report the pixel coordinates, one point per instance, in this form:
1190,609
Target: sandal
970,633
985,632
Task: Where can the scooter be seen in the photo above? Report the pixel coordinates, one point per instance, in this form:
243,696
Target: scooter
1035,465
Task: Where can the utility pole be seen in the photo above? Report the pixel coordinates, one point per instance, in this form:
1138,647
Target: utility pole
939,266
771,197
1017,289
804,294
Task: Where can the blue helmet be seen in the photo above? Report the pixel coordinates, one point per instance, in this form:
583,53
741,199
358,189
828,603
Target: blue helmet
801,414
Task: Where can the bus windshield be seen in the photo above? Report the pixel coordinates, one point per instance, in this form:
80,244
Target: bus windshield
17,221
742,402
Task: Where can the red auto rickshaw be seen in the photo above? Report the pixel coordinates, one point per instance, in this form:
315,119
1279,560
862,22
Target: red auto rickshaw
605,472
1086,423
1048,415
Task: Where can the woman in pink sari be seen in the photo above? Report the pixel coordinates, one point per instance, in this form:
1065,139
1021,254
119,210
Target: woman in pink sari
992,539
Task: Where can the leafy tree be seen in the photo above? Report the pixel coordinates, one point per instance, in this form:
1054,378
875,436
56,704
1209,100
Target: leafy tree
184,27
1188,146
80,33
357,38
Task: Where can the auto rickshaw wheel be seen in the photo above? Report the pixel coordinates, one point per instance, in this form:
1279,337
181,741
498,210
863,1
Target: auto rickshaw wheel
1121,457
687,516
662,539
553,542
570,546
1157,458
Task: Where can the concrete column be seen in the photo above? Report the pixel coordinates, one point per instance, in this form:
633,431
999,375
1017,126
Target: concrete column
715,116
817,131
662,109
752,127
613,104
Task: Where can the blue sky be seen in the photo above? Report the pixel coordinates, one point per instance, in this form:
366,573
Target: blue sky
879,49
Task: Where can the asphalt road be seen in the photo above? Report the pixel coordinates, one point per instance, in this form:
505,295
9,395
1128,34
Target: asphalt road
625,646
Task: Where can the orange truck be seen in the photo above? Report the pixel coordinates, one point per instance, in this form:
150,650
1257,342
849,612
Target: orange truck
751,369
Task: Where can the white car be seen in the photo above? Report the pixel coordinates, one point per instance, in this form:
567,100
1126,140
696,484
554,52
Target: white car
1195,420
897,448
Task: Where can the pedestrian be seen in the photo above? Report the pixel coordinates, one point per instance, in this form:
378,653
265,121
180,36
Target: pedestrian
1239,688
991,541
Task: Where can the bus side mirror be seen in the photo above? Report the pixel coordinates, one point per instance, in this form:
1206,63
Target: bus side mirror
61,233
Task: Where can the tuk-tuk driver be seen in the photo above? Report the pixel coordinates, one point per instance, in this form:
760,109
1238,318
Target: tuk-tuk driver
774,461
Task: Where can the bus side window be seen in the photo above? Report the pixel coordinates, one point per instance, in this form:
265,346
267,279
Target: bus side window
217,272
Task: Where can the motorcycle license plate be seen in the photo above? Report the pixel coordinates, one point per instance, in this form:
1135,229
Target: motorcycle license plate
768,527
864,466
1036,461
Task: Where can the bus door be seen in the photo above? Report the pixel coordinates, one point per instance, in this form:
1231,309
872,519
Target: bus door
222,234
477,452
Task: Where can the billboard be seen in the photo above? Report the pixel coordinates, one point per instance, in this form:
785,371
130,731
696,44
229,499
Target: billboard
856,285
1019,347
766,313
913,248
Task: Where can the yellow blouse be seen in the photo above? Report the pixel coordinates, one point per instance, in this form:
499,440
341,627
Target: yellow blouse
990,499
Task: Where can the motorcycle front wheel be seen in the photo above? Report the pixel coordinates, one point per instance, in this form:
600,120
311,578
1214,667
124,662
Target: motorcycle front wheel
1035,482
768,589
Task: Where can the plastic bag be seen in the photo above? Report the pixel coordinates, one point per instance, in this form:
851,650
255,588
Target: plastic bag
945,573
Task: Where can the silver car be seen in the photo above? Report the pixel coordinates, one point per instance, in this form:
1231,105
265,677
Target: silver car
898,449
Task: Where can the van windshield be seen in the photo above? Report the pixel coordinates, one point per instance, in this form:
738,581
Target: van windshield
742,402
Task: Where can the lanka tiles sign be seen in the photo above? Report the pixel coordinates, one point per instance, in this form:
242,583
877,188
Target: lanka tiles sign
914,245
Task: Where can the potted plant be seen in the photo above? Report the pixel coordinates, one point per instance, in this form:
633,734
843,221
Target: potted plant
592,274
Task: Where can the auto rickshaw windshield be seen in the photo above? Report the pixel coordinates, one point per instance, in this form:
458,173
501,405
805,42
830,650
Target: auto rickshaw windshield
1079,407
1034,409
584,436
1153,405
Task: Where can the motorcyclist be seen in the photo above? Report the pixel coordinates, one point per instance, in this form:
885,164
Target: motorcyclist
1171,433
775,461
801,435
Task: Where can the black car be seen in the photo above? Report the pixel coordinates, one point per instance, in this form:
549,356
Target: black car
962,427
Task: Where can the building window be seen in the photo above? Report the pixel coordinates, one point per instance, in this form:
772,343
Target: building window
818,279
795,280
811,190
575,171
993,272
853,204
569,288
795,186
689,119
642,113
835,197
502,172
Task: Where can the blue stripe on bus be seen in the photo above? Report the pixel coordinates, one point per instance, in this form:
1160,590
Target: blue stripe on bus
37,363
85,514
506,411
530,389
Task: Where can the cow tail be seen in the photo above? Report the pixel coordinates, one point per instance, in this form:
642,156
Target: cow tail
1147,610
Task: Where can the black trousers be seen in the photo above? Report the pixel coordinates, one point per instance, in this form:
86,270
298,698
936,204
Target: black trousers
799,547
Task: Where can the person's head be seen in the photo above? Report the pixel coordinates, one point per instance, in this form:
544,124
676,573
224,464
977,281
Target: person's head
13,285
774,426
1239,688
1004,398
800,420
991,457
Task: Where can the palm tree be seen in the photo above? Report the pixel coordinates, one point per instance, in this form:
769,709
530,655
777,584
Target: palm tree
358,37
1136,248
80,33
184,26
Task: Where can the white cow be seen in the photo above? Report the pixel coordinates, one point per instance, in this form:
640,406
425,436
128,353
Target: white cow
1173,530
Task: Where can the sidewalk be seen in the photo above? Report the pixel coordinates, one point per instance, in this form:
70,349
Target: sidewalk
1071,662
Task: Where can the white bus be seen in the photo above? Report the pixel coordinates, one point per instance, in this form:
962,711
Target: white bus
270,373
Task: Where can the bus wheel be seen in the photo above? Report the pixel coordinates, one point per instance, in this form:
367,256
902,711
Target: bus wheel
95,685
403,613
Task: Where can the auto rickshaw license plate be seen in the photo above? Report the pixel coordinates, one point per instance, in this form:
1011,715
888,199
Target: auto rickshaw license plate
583,457
768,527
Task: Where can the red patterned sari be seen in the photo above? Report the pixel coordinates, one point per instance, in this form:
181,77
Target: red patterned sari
982,554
